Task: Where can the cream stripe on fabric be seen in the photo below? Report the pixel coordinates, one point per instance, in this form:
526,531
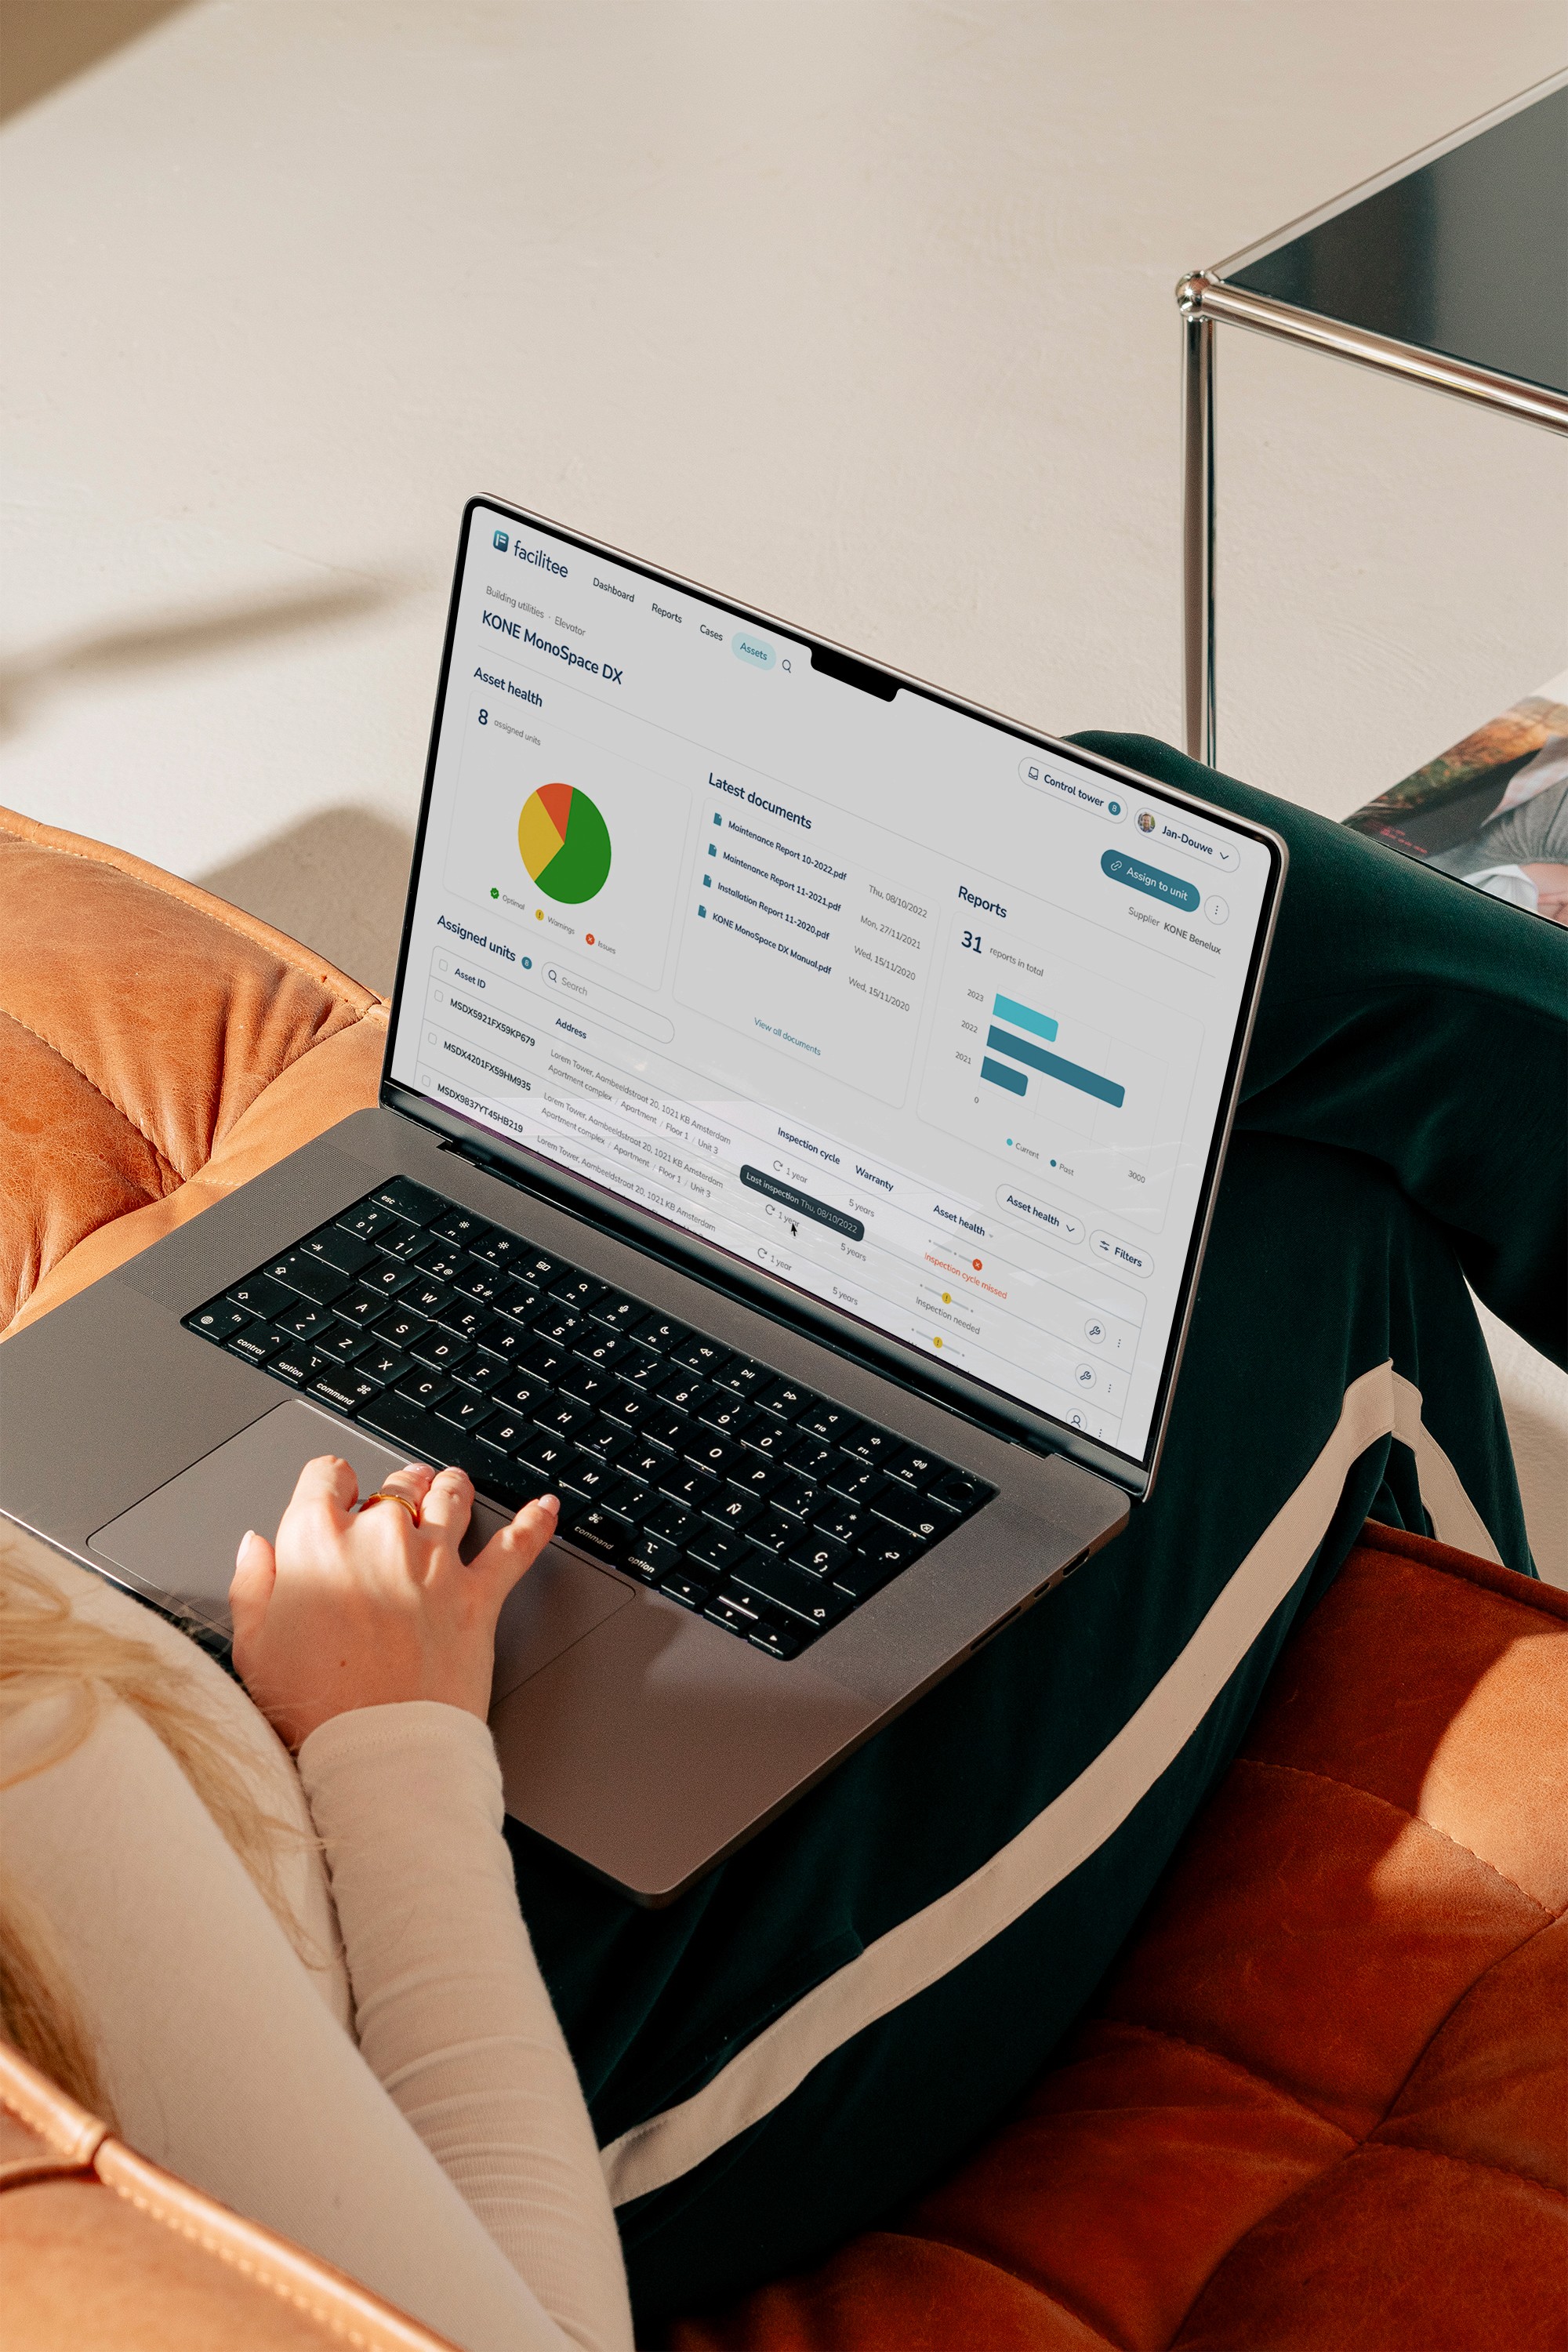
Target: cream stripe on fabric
925,1947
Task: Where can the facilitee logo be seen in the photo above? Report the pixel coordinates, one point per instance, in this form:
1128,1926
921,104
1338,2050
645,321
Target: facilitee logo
501,541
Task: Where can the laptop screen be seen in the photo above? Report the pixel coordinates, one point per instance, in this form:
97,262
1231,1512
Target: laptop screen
861,989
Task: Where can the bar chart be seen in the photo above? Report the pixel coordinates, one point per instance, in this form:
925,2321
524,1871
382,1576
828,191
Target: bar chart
1014,1079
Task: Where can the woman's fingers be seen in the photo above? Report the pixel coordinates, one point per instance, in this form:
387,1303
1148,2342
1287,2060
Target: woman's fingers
330,1482
411,1484
448,1501
250,1587
512,1552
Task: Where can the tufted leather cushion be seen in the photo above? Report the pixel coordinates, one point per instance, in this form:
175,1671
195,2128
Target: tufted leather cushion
1322,2105
157,1048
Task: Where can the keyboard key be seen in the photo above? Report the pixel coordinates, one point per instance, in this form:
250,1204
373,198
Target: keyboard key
601,1533
731,1415
644,1461
628,1498
546,1364
710,1451
697,1354
645,1556
815,1556
305,1322
442,1351
407,1199
342,1386
670,1521
731,1507
604,1438
361,1307
756,1474
333,1246
823,1419
308,1276
659,1332
913,1513
643,1370
504,1431
401,1241
604,1349
439,1260
424,1388
502,1340
476,1280
563,1416
388,1275
774,1530
516,1300
736,1611
586,1383
785,1398
686,1484
523,1396
385,1364
259,1295
773,1439
811,1458
535,1267
258,1343
744,1377
862,1574
401,1327
365,1221
682,1389
617,1312
500,1250
463,1409
580,1292
855,1481
876,1446
839,1522
464,1322
483,1372
421,1292
298,1364
218,1321
691,1591
795,1494
662,1426
715,1548
807,1598
544,1457
459,1225
914,1468
344,1342
775,1640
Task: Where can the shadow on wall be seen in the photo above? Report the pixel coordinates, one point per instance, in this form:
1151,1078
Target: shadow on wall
44,43
29,676
337,881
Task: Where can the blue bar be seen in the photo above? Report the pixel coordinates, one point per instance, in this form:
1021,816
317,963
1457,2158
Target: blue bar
1001,1076
1087,1081
1023,1016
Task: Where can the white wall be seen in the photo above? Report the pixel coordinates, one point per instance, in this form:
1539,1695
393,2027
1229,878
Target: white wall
860,308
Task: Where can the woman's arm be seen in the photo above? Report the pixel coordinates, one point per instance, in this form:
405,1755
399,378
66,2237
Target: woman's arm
370,1642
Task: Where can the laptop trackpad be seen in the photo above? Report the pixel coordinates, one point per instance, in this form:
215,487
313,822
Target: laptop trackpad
178,1544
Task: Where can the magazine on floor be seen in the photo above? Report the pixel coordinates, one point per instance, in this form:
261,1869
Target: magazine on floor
1493,810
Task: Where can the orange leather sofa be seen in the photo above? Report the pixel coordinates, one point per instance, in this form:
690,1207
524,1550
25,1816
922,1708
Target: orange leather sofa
1321,2106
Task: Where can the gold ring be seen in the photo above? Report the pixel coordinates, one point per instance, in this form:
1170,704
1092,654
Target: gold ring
386,1495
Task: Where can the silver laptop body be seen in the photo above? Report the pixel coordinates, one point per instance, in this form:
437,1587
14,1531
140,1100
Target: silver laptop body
979,1248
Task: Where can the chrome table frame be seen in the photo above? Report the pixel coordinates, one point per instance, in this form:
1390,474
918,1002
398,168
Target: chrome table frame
1204,299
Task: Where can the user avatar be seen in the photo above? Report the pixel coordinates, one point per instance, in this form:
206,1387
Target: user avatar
1145,821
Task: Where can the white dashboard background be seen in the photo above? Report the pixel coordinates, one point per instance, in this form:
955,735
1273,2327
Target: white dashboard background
861,312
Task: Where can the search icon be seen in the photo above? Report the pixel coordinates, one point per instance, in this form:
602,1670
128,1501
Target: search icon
784,665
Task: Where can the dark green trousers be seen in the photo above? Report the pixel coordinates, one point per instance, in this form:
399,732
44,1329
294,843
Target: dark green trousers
832,2017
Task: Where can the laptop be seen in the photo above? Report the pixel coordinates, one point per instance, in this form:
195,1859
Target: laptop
803,1105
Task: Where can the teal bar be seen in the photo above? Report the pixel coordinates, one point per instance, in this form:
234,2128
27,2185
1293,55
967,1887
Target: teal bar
1023,1016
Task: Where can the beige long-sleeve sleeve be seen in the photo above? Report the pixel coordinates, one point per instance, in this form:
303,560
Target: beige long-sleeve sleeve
451,2011
230,2060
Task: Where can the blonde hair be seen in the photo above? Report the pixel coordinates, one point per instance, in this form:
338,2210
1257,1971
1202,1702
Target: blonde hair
50,1653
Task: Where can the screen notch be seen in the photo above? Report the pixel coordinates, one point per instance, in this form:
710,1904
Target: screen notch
862,676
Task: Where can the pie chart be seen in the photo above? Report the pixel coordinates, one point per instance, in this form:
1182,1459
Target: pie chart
566,844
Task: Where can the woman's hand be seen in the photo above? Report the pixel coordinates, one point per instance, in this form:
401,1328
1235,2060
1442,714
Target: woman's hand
354,1608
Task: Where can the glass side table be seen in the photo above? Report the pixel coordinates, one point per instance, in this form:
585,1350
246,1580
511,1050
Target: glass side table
1450,269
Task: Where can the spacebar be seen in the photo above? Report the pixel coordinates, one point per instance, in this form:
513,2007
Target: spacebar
429,1440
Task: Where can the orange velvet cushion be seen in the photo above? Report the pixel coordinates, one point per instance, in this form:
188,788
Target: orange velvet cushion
156,1049
1322,2101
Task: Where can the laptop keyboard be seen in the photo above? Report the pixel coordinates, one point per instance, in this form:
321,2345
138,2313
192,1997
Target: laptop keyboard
699,1471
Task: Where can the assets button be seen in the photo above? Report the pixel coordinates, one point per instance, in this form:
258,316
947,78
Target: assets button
1122,1255
1121,866
1055,1222
754,651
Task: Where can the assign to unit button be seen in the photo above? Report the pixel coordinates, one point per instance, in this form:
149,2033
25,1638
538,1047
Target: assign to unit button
1121,1254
